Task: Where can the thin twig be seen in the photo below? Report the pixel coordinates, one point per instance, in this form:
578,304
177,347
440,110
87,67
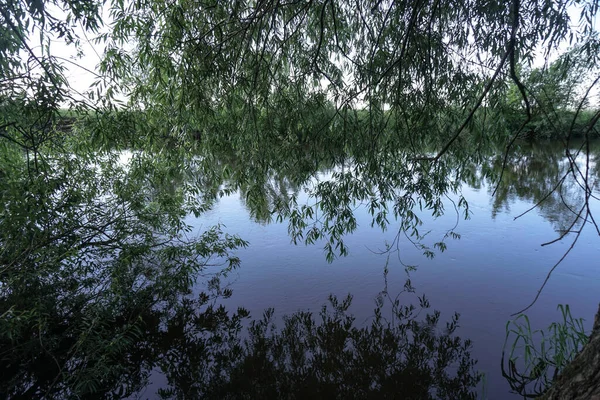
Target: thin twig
539,292
471,114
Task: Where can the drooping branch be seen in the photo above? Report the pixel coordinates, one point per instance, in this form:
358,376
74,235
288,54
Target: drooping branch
23,41
472,113
516,4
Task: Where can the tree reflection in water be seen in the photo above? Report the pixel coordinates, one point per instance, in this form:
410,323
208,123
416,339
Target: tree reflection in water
540,174
104,318
102,296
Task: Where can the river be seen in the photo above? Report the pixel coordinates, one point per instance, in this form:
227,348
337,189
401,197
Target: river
494,270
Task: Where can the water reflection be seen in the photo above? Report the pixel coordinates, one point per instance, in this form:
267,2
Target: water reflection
494,271
107,297
332,183
203,351
540,174
109,318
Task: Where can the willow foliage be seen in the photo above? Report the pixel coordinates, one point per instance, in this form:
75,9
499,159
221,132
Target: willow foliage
396,84
410,62
97,263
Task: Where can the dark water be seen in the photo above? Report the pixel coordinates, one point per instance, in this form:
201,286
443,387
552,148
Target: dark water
491,272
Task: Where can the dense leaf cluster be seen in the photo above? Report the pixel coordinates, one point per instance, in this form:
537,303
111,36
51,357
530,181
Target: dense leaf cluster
398,100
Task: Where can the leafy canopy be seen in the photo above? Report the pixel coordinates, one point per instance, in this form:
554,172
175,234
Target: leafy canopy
96,258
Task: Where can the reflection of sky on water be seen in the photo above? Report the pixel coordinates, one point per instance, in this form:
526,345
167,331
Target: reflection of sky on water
494,270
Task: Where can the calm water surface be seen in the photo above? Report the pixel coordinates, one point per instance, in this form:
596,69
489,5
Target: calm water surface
494,270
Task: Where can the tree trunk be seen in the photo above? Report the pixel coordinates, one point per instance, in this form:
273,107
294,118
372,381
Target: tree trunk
580,380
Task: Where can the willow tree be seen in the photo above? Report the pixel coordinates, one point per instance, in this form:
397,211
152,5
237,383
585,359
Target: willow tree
261,61
408,88
412,89
97,264
91,249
